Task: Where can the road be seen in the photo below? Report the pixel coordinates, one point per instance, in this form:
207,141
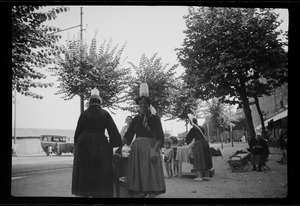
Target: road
41,175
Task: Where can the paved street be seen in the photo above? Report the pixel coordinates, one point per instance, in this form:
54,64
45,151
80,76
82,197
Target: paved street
41,175
34,176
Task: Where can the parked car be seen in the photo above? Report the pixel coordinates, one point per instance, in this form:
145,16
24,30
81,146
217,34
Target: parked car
59,144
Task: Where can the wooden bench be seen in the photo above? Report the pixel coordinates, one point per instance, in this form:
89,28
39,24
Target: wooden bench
237,161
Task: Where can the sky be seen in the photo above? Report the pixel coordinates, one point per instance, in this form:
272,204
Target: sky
146,29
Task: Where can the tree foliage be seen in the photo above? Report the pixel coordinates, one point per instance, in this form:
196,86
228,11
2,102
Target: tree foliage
161,82
240,124
184,103
81,69
217,114
228,47
227,50
33,46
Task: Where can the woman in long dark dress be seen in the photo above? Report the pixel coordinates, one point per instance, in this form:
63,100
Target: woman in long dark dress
201,150
145,177
92,168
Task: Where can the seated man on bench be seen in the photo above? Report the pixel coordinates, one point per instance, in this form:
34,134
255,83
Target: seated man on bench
260,152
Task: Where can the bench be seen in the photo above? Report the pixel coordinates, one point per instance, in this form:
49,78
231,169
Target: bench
237,161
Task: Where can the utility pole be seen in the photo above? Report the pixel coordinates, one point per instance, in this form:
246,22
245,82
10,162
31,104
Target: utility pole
15,116
231,134
230,124
81,39
14,148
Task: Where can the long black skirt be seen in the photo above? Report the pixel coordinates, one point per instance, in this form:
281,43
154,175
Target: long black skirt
92,167
202,155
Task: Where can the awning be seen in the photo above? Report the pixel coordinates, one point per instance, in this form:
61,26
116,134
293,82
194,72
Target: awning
276,117
280,115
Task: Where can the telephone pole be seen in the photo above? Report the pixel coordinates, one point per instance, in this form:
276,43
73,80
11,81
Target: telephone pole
14,146
15,115
81,39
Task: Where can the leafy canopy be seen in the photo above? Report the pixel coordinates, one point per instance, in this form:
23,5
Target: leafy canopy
33,46
227,49
160,80
81,69
184,103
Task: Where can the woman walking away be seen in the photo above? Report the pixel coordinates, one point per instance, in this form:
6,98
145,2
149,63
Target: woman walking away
201,150
92,168
145,167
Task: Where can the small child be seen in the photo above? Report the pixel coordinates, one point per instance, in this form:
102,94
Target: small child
174,152
168,158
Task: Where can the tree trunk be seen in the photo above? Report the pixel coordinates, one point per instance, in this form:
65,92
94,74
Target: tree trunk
248,115
208,135
261,116
186,126
220,137
81,104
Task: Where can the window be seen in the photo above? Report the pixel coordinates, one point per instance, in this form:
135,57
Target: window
55,139
45,138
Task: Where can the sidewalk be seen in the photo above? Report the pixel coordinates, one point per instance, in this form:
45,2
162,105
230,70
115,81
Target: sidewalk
227,184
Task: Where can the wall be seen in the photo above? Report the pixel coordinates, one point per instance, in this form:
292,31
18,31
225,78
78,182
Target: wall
29,145
270,104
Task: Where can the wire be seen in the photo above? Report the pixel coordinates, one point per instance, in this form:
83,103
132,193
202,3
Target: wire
64,30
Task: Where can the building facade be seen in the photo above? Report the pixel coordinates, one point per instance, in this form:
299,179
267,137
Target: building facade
271,105
274,110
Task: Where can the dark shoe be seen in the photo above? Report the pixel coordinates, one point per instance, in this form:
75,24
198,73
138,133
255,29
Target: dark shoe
258,169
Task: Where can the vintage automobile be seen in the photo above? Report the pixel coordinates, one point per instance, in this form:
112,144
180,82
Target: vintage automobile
59,144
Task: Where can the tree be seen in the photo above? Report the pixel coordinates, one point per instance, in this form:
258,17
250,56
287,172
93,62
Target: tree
240,124
33,46
260,88
82,69
183,104
217,116
161,83
227,49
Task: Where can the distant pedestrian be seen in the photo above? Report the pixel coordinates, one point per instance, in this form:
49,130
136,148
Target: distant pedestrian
49,150
201,150
92,167
168,158
283,144
56,148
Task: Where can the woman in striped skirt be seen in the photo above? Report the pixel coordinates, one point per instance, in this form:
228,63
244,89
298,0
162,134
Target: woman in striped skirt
145,177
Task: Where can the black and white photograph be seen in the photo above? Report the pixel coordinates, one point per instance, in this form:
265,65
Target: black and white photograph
149,101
